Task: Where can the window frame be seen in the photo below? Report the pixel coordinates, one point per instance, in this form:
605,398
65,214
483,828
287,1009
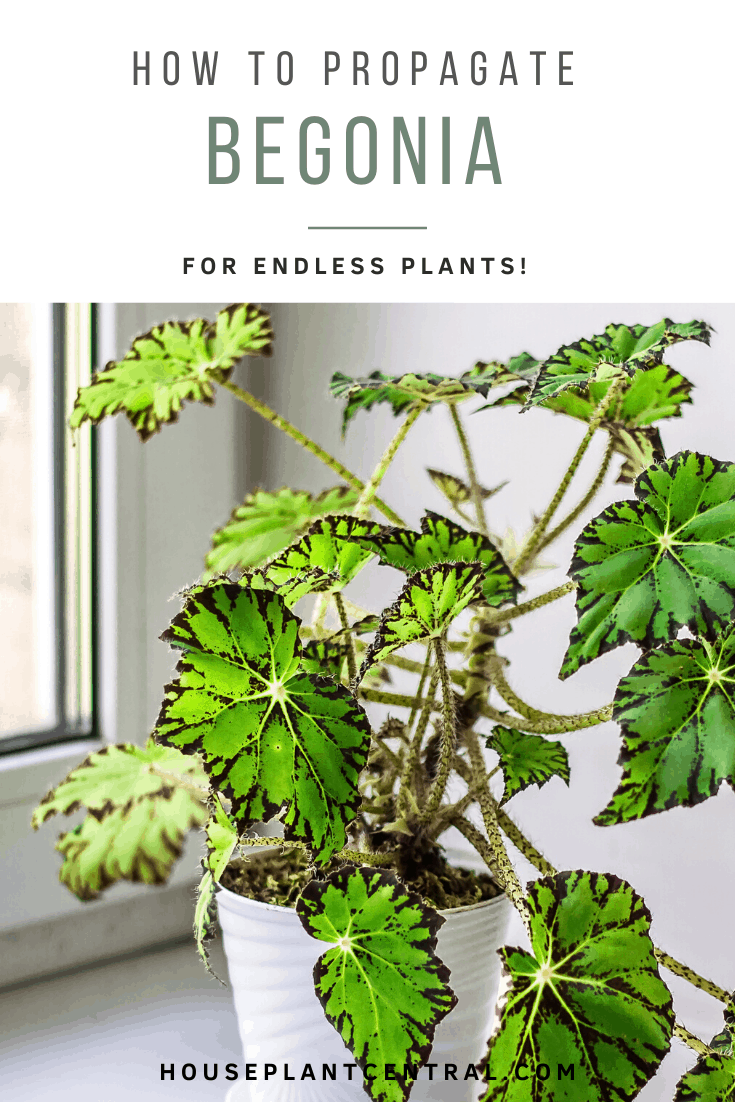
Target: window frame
69,728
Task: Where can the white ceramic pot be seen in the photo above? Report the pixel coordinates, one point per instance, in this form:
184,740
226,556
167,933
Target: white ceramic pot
270,959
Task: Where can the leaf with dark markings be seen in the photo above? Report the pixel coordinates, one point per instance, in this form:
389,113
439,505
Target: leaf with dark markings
381,983
173,363
325,657
648,396
621,348
293,589
119,777
456,491
428,603
403,392
441,540
527,759
588,999
266,523
676,709
330,545
646,568
271,736
140,843
712,1079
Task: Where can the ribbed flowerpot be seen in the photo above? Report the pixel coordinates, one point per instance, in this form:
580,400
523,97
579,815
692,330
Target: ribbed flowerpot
271,958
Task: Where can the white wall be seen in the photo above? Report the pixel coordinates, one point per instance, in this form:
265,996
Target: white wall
680,861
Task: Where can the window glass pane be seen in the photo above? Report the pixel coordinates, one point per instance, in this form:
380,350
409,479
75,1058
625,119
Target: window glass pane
27,590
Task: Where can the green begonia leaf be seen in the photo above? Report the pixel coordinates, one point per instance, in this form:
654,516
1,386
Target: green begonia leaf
527,759
330,544
139,843
271,736
266,523
646,568
621,348
712,1079
293,589
222,838
402,392
650,395
441,540
457,492
588,1003
425,608
119,777
173,363
205,916
639,448
325,657
676,709
381,984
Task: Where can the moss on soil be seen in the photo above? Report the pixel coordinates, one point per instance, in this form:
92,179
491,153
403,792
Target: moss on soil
278,877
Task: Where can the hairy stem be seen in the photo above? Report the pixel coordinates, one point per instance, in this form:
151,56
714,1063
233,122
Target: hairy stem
414,750
449,735
488,807
570,518
422,682
691,1039
368,494
334,464
471,473
530,606
531,546
544,719
692,977
345,624
523,845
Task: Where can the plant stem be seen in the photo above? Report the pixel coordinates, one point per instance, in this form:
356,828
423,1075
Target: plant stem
377,696
471,474
692,977
414,750
285,426
366,856
449,735
690,1039
272,842
450,811
530,606
422,681
488,808
552,724
575,512
368,494
522,844
344,622
544,719
529,549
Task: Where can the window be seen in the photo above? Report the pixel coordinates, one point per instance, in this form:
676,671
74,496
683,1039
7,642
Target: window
47,561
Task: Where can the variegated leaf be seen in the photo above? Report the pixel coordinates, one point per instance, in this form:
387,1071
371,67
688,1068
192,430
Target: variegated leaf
587,1004
621,348
428,603
381,983
266,523
646,568
271,736
331,544
173,363
676,709
441,540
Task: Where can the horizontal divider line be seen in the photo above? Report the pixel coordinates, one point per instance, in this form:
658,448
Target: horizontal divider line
367,227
